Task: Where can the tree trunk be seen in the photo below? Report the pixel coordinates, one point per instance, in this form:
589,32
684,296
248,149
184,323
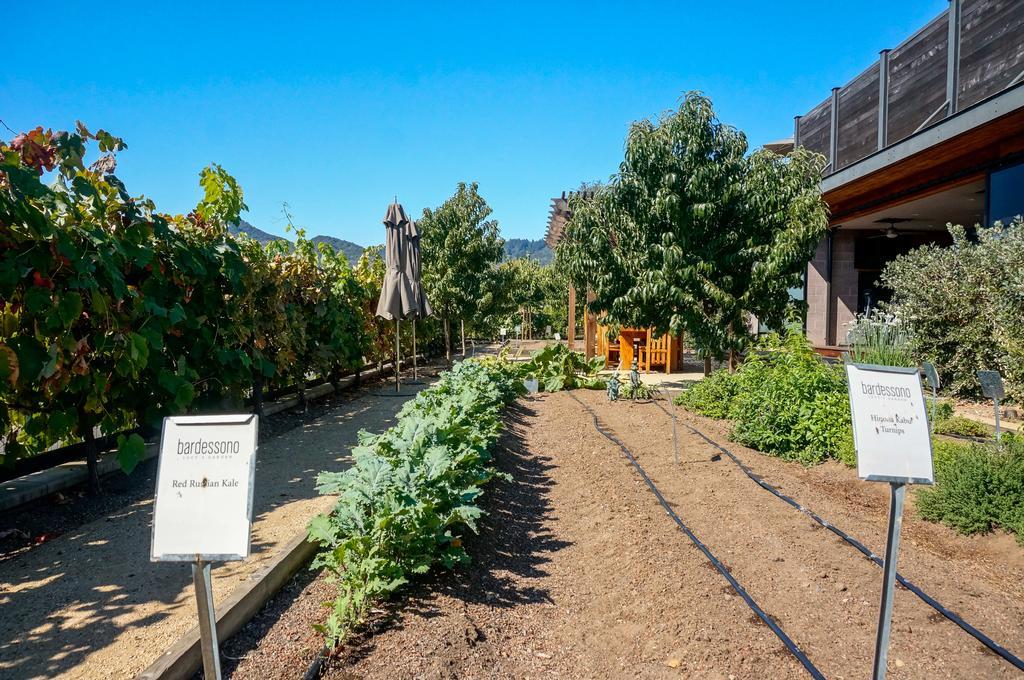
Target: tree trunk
462,323
91,462
447,343
707,365
732,361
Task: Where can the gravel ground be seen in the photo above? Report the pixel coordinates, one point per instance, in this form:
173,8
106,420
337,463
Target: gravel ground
35,523
85,602
578,572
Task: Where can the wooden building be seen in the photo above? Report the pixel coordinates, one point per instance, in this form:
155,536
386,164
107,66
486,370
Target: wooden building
930,133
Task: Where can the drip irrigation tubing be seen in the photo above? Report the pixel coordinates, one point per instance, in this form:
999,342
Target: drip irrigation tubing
768,621
992,645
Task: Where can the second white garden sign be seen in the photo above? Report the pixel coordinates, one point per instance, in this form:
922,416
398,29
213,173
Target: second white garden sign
890,424
894,445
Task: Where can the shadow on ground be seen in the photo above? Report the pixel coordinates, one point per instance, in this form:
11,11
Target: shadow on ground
512,549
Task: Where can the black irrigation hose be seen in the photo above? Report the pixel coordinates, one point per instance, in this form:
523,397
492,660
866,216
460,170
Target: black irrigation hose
928,599
790,645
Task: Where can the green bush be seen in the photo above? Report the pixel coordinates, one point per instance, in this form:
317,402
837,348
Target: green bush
556,367
413,490
790,403
784,399
965,427
643,391
978,487
943,409
962,305
713,396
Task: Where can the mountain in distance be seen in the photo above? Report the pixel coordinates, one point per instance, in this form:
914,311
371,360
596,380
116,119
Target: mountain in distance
532,248
352,251
252,232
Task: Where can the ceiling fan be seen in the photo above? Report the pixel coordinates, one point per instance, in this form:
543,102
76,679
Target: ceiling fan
891,231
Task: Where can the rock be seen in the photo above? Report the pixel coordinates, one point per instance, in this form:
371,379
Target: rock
542,655
840,587
898,663
674,663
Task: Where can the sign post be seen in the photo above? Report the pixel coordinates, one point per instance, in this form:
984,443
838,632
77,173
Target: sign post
933,381
992,387
203,506
893,441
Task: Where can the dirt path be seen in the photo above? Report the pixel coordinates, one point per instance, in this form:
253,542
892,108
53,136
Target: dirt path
579,573
89,604
815,585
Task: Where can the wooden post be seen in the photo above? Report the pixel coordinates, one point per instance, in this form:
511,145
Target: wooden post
570,336
589,327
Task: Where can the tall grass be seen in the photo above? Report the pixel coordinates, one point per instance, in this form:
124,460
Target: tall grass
881,340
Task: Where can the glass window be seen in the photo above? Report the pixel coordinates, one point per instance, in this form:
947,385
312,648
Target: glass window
1006,194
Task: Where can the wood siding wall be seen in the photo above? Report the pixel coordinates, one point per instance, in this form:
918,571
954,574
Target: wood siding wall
991,48
917,80
990,60
814,129
858,118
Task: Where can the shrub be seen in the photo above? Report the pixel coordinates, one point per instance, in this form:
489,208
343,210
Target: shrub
643,391
413,490
978,487
790,403
964,427
556,367
962,307
943,409
713,396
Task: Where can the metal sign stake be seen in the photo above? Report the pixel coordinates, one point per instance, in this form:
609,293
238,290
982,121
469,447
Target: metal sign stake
207,619
892,547
995,402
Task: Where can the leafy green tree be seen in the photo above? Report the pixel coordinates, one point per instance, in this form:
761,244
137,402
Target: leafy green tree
693,234
460,247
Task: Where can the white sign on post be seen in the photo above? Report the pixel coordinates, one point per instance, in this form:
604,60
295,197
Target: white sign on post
890,424
204,488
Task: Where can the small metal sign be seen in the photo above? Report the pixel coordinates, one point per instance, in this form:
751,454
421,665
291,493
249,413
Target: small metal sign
931,374
992,387
991,384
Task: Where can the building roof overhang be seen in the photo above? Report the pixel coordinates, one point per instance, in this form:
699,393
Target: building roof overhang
956,151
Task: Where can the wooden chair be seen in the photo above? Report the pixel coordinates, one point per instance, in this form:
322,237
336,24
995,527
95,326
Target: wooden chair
654,352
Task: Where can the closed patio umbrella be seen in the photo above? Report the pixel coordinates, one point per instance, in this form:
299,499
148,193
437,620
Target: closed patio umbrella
421,307
396,296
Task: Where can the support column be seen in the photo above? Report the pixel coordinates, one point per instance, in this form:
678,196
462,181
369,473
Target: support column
833,139
589,327
570,336
953,56
883,98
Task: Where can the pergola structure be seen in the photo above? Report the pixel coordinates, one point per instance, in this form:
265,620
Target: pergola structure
557,219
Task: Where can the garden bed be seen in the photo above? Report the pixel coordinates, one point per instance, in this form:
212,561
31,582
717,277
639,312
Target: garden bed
578,572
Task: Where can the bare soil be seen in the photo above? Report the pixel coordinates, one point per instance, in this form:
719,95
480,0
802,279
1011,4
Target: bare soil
579,573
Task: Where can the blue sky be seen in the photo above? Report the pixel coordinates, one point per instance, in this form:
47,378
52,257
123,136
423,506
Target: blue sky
335,109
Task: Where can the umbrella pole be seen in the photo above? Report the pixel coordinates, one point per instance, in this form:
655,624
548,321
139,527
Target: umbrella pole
414,375
398,359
